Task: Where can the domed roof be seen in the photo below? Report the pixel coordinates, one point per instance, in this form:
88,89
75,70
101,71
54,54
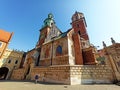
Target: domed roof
49,20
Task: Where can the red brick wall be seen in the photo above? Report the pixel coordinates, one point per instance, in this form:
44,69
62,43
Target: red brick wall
43,33
80,25
78,49
88,57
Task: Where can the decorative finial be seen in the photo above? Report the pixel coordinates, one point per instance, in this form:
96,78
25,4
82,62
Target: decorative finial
113,41
76,12
50,16
49,21
104,45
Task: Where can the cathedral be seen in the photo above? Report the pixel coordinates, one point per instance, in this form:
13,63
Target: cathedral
64,57
65,48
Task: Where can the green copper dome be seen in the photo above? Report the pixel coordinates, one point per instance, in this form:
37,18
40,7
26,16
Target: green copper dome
49,21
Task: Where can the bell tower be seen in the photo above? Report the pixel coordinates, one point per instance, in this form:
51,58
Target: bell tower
48,22
79,25
80,36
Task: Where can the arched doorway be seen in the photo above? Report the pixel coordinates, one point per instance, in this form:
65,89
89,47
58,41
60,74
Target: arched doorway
3,72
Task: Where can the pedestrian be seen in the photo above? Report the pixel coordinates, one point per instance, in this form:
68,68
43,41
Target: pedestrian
36,78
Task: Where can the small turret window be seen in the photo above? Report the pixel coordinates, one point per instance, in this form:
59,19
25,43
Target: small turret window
16,61
79,33
51,24
9,61
46,23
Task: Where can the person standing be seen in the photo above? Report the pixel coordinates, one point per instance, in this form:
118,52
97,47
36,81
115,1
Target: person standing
36,79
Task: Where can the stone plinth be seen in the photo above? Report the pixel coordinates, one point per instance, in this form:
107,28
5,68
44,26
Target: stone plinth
76,74
55,74
90,74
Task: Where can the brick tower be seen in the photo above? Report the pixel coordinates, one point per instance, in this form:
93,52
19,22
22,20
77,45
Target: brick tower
48,22
79,26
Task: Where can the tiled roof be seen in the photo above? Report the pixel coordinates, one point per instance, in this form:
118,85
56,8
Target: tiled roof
5,36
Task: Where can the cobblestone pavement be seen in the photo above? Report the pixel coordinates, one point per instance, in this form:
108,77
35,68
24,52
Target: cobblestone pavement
25,85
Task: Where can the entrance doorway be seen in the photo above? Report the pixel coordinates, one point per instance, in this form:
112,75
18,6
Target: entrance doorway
3,72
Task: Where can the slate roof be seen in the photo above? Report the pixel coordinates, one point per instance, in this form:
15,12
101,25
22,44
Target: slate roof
62,34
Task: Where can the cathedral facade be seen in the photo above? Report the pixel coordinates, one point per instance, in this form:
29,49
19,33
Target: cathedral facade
64,57
65,48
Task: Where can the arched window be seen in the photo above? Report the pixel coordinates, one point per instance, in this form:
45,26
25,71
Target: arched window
58,50
9,61
16,61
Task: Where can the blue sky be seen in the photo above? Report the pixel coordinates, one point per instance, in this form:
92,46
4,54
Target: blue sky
25,18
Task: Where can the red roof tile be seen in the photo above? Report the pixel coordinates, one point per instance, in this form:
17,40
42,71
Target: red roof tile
5,36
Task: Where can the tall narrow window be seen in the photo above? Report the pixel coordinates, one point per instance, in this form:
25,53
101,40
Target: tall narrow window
58,50
79,33
16,61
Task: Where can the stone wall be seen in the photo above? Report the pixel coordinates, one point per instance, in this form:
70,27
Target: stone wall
55,74
18,74
61,60
78,49
11,59
76,74
89,56
90,74
113,56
